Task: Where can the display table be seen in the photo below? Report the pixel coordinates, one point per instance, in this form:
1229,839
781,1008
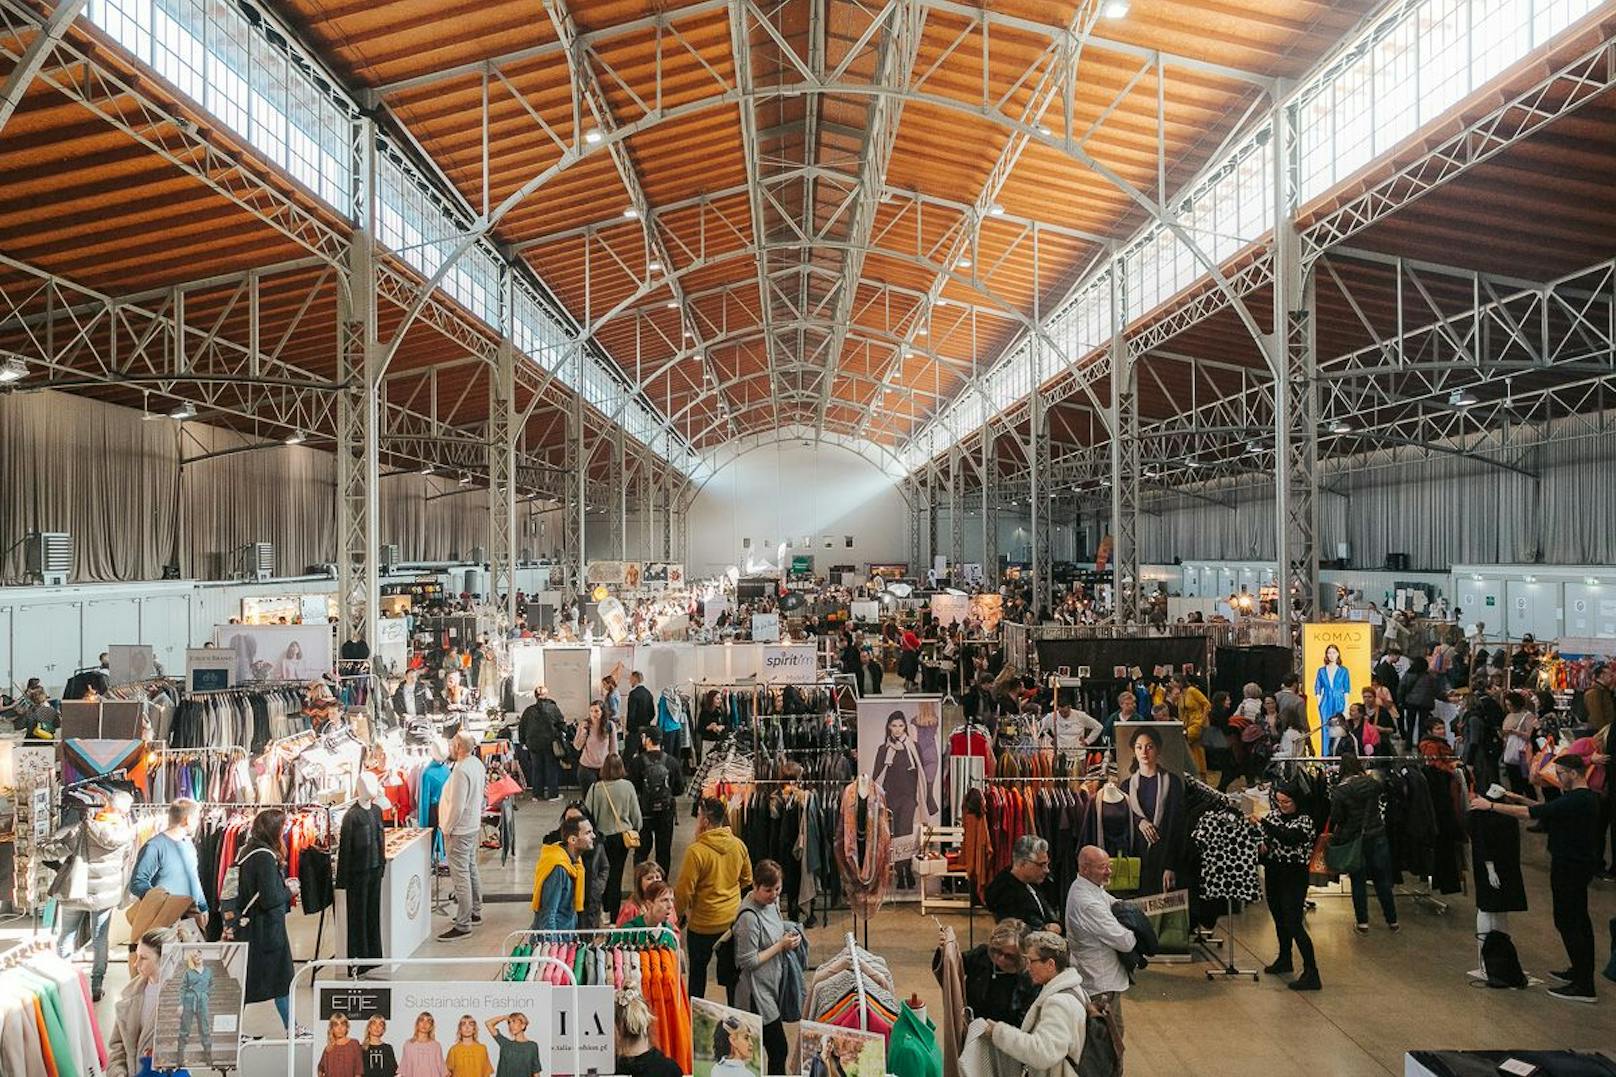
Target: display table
406,894
1486,1063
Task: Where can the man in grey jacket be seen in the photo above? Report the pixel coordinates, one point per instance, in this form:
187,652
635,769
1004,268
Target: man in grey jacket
460,817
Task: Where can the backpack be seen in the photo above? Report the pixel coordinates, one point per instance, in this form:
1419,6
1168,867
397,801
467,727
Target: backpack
658,796
1500,961
728,974
230,887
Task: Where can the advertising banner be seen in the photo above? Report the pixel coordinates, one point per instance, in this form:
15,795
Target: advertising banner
788,664
130,662
823,1050
949,609
277,652
208,669
765,627
899,747
199,1006
1337,657
725,1042
476,1026
566,675
607,572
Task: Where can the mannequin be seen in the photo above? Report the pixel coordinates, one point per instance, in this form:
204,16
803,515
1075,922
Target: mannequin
360,866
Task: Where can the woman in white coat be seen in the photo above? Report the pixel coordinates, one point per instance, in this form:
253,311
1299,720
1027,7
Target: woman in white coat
1052,1032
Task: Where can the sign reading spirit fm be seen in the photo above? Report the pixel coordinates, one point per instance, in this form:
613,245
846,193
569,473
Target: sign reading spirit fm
784,664
556,1019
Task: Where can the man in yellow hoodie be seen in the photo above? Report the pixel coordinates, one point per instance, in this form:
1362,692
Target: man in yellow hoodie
707,893
558,881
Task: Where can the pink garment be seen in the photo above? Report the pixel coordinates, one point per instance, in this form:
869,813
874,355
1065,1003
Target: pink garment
855,1018
617,969
95,1026
1588,747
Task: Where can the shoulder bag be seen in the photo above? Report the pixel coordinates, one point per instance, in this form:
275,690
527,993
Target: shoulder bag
631,837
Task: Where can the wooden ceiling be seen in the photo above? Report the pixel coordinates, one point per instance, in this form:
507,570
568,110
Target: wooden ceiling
762,230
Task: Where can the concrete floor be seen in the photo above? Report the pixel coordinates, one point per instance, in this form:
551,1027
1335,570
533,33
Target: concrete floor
1383,994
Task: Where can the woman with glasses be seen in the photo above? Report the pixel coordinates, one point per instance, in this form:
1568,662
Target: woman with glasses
997,986
1050,1037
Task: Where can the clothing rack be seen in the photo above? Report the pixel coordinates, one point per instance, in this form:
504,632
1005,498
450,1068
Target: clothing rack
1420,897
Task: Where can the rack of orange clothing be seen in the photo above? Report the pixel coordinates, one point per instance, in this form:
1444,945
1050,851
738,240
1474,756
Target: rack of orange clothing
646,959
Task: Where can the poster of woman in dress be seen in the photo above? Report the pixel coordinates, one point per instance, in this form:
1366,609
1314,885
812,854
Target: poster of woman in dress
1152,757
1339,655
898,749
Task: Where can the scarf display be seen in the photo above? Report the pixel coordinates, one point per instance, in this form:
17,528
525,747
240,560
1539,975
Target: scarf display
865,878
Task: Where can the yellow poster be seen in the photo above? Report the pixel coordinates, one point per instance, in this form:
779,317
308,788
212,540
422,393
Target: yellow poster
1336,662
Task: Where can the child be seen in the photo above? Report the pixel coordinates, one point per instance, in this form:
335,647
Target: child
468,1057
342,1057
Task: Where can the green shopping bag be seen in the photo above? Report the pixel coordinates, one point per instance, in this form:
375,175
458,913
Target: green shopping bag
1124,874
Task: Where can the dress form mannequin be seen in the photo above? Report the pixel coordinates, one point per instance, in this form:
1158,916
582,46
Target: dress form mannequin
361,863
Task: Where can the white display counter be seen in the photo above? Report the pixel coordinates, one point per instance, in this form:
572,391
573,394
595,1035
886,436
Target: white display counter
406,895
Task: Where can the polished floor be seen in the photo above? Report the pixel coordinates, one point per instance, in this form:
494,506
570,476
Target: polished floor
1384,994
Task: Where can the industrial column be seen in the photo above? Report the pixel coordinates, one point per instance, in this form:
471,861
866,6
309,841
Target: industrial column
502,425
1037,480
990,506
576,465
1125,472
617,483
956,513
932,506
358,414
1293,357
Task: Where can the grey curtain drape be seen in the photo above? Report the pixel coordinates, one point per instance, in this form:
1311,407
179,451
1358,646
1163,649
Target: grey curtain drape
1441,511
100,472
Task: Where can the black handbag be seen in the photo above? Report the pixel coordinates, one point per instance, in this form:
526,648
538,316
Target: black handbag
1500,961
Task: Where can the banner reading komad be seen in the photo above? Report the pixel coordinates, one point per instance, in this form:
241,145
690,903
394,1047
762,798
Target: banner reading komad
534,1026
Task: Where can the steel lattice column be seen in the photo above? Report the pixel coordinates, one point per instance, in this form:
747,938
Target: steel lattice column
932,506
1293,357
358,447
913,494
990,506
502,479
956,512
1125,470
1043,562
576,464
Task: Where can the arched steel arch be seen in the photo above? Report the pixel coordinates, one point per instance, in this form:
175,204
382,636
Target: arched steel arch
753,249
582,150
731,451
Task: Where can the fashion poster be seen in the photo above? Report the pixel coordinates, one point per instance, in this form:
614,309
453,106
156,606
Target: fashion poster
725,1042
472,1026
833,1051
1152,759
277,652
899,745
199,1006
1336,662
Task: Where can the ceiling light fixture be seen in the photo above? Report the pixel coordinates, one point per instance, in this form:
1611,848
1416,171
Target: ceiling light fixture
185,411
1253,449
672,304
428,469
297,437
654,266
1116,9
964,263
630,213
13,369
996,210
1341,426
1046,131
465,479
593,136
1462,398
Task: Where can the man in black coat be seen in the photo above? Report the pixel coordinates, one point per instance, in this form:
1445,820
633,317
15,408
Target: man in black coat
536,731
411,697
641,713
1022,890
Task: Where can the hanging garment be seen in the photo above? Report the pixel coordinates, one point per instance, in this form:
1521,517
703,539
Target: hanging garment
1227,844
864,848
1495,846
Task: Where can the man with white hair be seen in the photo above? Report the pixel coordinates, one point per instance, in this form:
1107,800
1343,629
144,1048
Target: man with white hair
460,817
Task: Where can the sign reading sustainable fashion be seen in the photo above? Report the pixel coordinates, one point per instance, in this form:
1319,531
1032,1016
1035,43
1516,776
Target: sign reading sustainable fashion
478,1026
1336,663
790,665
